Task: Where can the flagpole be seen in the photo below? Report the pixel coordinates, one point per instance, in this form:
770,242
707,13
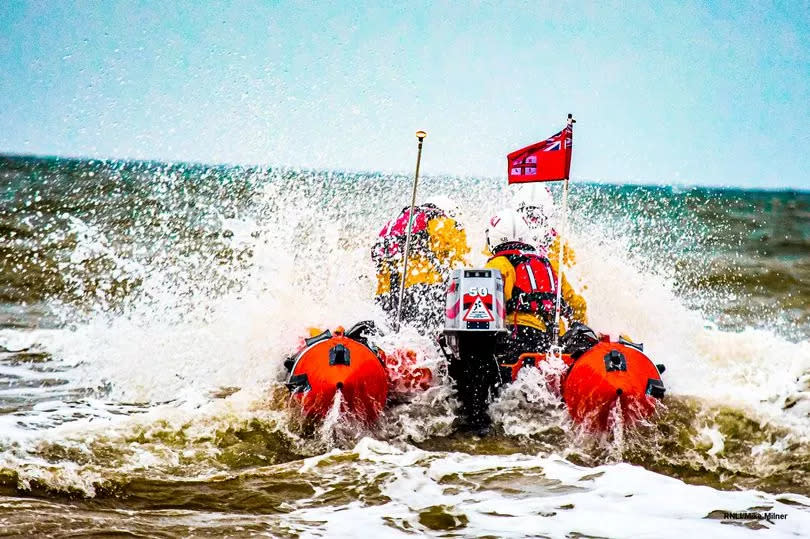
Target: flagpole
563,241
421,136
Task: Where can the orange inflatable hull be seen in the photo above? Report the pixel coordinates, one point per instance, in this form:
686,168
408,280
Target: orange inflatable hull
610,382
331,364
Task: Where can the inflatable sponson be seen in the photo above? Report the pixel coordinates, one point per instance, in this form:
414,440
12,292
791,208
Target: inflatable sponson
329,364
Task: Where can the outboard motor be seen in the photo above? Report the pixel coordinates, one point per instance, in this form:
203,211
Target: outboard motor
474,318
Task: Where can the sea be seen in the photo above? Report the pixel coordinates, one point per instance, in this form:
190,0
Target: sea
146,309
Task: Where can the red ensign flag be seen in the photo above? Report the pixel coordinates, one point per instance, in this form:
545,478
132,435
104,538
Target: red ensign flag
545,161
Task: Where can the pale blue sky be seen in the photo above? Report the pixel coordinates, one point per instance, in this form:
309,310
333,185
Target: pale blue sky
665,92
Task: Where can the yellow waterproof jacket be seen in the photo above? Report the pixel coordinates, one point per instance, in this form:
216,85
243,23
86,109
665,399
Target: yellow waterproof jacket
574,300
431,257
569,256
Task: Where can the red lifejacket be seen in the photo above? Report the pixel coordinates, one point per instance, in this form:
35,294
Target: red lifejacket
535,288
390,244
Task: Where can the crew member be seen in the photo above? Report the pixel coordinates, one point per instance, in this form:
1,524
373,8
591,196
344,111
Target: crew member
530,285
438,245
535,202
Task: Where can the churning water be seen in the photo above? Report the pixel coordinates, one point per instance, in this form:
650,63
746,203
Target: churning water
146,309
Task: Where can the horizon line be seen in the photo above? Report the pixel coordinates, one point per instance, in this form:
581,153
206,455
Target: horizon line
637,183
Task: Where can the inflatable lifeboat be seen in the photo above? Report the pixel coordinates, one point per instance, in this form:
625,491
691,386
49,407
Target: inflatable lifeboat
335,365
345,365
605,382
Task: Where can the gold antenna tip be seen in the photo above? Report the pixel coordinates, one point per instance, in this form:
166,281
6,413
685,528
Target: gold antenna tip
421,134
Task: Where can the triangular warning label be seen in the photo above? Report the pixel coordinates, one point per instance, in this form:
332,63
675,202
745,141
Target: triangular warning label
478,312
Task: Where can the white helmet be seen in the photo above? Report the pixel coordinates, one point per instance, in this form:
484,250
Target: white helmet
506,226
536,197
444,203
536,204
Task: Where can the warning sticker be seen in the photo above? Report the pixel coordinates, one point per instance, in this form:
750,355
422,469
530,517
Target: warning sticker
478,312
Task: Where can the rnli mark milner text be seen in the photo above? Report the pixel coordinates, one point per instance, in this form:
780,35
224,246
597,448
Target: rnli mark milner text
755,516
